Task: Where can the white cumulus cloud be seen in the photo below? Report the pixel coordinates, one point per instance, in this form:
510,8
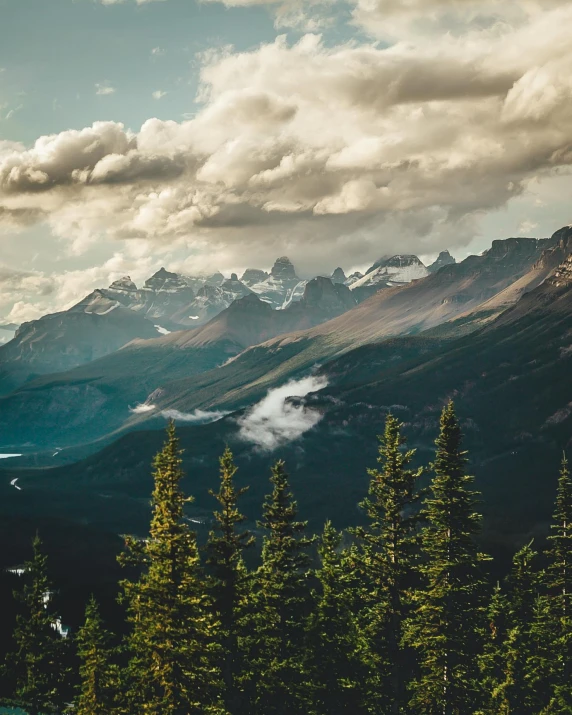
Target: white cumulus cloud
275,420
104,89
347,150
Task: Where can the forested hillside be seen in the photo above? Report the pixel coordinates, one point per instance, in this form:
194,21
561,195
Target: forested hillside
397,615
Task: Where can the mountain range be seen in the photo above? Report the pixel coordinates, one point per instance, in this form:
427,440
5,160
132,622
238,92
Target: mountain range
492,332
110,318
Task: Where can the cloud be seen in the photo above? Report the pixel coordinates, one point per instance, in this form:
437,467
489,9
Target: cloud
276,421
137,2
196,417
417,19
527,226
306,15
104,89
142,408
321,150
159,94
27,295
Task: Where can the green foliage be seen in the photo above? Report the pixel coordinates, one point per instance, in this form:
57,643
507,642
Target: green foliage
277,680
171,644
99,687
230,582
553,624
492,659
37,665
517,692
447,626
388,559
395,622
342,669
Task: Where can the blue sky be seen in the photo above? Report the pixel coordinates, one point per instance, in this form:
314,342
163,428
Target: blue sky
224,133
54,52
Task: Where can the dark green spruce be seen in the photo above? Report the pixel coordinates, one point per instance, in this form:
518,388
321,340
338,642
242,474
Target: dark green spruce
556,632
447,626
342,669
492,659
99,678
278,679
172,669
517,693
389,546
230,583
37,665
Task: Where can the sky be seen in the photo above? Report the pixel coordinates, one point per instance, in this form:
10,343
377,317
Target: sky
222,134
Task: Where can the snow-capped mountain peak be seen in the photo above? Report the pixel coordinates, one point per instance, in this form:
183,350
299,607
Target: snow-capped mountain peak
395,270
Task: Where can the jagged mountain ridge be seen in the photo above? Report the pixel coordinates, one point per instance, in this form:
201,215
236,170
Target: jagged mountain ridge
447,295
388,272
187,383
512,363
443,259
96,326
168,300
93,399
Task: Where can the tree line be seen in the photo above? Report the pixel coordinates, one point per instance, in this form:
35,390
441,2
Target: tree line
396,616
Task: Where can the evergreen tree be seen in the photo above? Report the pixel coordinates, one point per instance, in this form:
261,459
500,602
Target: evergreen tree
517,694
37,665
171,670
389,547
555,626
99,677
277,678
492,660
230,582
341,666
447,626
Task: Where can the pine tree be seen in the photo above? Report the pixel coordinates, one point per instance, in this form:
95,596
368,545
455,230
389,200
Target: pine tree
389,547
555,630
492,660
171,670
447,626
277,678
341,666
229,579
37,665
99,677
517,694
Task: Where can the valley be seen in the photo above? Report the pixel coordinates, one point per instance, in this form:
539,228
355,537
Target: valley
493,329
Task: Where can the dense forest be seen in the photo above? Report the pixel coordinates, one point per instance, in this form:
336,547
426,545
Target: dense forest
398,615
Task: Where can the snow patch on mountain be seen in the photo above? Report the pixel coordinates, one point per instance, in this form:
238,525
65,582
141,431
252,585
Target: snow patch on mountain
396,270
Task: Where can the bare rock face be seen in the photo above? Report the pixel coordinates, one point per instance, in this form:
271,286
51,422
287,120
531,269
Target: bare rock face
282,287
443,259
283,269
332,298
166,281
338,276
251,276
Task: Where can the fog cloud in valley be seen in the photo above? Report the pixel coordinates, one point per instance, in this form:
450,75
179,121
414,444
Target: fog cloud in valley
275,420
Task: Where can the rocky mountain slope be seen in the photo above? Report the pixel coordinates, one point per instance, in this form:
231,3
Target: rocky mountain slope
96,326
95,399
443,259
502,378
447,303
168,301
